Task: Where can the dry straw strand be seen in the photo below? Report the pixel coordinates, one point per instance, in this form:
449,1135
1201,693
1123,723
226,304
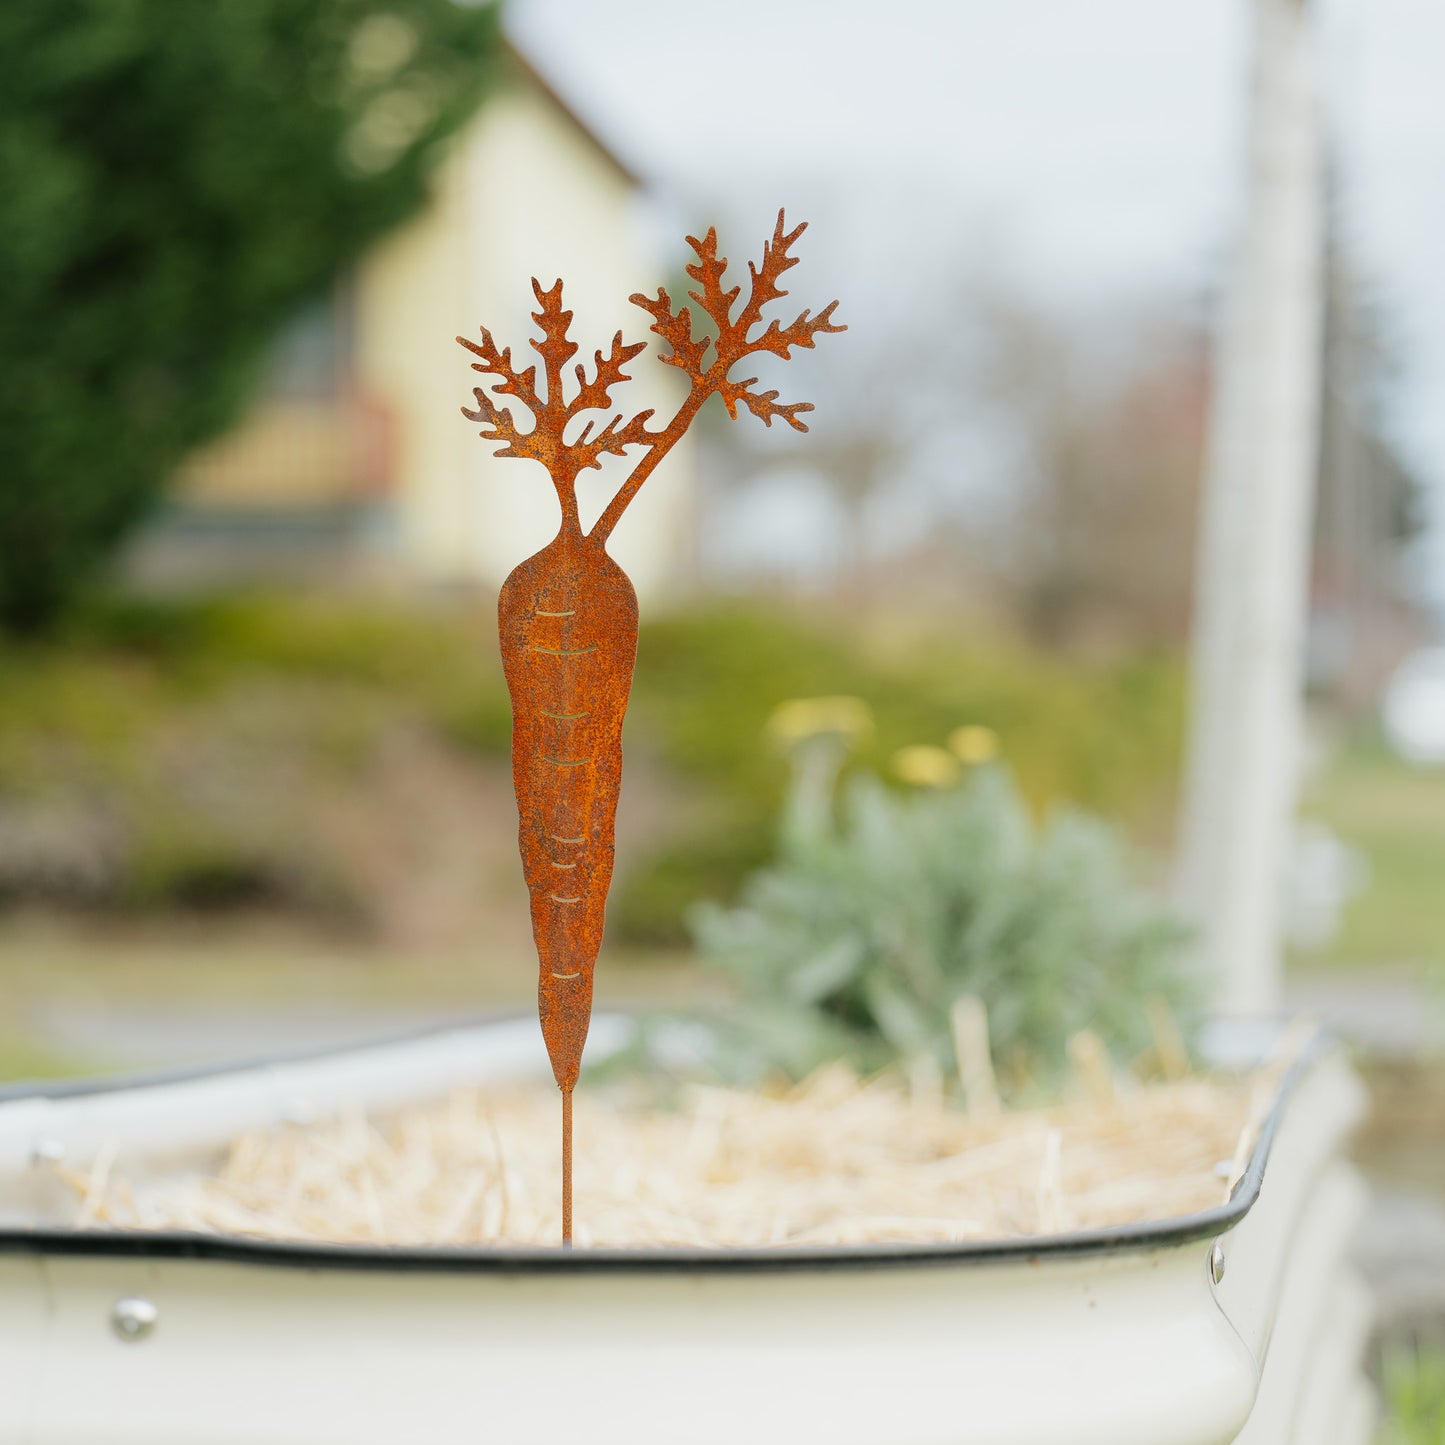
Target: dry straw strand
833,1160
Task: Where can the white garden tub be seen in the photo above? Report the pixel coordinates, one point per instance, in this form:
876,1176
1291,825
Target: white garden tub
1239,1323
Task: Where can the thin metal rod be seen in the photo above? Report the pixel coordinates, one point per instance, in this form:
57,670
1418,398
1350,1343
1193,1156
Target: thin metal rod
566,1168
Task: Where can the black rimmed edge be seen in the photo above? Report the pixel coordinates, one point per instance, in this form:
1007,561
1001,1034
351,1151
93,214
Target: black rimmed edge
452,1259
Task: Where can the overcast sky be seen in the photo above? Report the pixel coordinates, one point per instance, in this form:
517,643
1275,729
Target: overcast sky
1083,148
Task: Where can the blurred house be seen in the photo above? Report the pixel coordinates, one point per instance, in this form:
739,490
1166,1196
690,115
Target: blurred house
355,464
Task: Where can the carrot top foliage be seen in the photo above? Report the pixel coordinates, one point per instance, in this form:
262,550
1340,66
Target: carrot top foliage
737,337
567,616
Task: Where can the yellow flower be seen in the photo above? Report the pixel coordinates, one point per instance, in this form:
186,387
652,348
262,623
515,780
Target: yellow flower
801,718
925,766
973,744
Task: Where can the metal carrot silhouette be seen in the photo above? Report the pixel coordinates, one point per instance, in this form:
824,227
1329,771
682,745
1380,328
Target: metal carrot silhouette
568,616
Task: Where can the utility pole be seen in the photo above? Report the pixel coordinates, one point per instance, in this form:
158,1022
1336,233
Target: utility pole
1251,593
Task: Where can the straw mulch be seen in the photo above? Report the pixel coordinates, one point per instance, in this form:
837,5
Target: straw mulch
834,1160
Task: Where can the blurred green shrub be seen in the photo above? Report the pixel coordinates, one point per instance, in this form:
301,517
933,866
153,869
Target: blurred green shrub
862,935
442,658
178,179
1105,736
1412,1380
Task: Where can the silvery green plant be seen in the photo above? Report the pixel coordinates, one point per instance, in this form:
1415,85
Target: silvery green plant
859,939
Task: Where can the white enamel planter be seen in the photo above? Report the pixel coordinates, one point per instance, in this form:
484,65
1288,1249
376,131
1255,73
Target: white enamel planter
1242,1323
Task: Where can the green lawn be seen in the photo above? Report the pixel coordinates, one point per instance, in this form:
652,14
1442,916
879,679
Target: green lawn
27,1058
1395,815
1412,1380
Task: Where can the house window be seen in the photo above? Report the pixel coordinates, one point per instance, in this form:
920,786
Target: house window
309,360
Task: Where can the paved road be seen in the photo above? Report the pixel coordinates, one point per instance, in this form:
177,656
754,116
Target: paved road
1401,1251
1389,1015
132,1036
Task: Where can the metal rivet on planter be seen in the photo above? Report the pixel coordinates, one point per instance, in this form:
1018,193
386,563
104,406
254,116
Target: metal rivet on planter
1216,1261
133,1318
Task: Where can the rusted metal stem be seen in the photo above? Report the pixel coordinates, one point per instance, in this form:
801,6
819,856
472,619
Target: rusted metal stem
567,496
566,1168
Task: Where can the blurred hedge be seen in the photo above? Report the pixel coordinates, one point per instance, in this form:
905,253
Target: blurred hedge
1105,736
156,754
241,749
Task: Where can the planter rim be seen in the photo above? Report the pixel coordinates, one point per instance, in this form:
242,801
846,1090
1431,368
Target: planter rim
1147,1235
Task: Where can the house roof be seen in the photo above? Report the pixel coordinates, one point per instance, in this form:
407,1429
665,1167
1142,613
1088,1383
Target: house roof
529,71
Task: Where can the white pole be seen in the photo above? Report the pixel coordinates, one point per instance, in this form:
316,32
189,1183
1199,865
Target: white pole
1251,592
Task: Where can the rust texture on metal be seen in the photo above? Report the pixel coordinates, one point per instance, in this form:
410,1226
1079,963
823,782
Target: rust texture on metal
567,617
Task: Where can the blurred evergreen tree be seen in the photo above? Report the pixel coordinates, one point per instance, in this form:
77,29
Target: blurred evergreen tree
178,178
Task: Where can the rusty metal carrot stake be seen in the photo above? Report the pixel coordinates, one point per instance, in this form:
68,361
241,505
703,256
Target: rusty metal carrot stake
568,616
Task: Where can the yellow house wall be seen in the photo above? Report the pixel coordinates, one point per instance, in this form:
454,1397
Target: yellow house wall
522,194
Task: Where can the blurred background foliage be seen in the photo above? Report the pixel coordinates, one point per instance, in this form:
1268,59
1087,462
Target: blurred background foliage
318,752
251,747
177,180
1104,733
1412,1384
239,750
184,183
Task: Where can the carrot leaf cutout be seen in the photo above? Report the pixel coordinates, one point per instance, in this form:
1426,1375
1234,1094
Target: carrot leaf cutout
593,395
708,273
703,361
567,616
675,328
